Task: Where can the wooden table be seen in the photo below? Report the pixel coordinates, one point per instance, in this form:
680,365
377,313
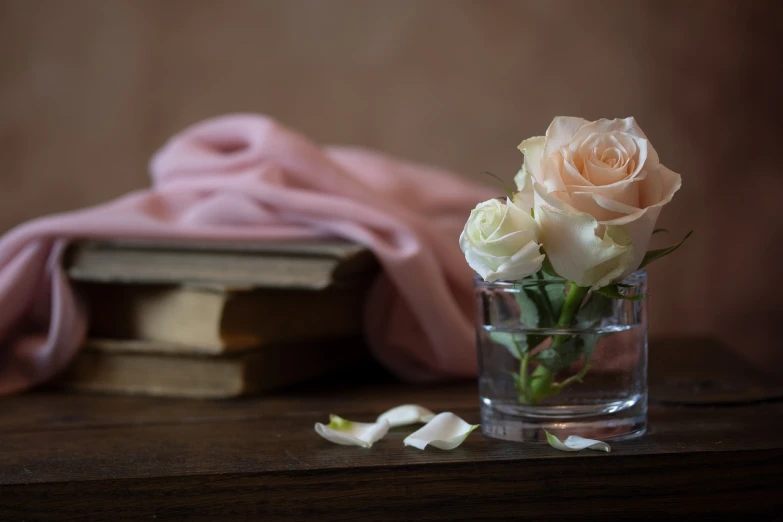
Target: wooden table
715,446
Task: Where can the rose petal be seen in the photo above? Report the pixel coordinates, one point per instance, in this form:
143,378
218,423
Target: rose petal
574,248
526,261
646,161
348,433
481,262
668,183
532,148
560,133
406,415
624,191
590,202
524,196
641,222
576,443
446,431
570,173
553,173
604,126
546,198
515,219
625,142
602,175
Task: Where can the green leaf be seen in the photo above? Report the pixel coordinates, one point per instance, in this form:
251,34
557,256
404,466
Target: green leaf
529,314
552,289
590,341
615,291
539,303
515,343
654,255
534,312
531,310
508,189
593,311
534,340
657,230
539,306
561,357
519,386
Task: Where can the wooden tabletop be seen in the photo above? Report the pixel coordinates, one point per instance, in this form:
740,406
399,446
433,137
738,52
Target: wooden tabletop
715,446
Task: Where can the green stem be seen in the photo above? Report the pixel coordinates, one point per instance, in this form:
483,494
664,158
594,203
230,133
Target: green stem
574,378
541,385
576,294
523,381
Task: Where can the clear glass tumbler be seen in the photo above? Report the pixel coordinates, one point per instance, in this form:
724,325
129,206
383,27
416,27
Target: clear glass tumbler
586,375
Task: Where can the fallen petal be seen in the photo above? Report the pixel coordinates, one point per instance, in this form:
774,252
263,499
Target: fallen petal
445,431
349,433
576,443
405,415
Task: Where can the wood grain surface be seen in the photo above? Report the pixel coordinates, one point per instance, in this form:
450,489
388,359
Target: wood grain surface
70,456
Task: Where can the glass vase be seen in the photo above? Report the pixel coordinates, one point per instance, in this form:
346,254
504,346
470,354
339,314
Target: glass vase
555,357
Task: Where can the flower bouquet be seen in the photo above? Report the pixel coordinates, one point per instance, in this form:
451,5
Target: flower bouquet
561,286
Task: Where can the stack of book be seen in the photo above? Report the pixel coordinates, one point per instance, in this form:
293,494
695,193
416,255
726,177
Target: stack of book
207,321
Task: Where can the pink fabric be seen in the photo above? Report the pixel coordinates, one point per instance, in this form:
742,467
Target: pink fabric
246,177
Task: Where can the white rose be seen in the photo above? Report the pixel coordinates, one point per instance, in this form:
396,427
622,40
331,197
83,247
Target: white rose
599,190
500,240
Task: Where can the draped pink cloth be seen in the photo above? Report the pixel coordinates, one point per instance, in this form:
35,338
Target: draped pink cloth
246,177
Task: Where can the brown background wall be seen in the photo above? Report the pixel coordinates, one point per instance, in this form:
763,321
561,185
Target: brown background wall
89,89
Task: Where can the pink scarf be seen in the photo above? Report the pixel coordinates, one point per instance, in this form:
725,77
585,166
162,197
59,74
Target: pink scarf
246,177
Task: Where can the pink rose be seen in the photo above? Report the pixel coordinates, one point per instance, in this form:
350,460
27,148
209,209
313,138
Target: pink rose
599,190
